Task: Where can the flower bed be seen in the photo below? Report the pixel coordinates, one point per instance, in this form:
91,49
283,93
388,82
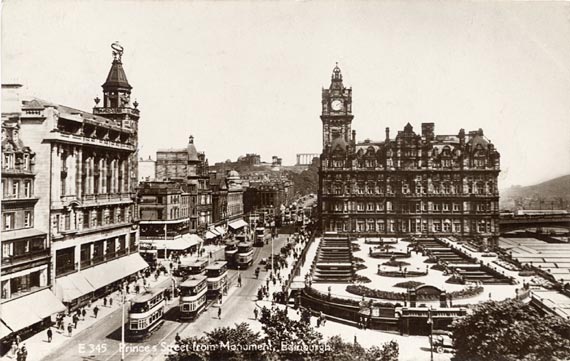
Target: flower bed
527,273
360,279
408,284
395,263
360,266
343,301
438,267
402,274
376,254
470,291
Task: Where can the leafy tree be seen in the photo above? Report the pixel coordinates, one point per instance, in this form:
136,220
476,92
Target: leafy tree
509,331
301,341
224,343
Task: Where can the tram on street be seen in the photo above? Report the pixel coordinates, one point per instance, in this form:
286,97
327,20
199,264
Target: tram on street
146,313
244,255
191,268
261,234
193,296
230,253
217,274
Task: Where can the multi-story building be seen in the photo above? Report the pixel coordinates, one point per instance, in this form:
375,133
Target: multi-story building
189,166
412,184
164,208
265,200
227,201
86,166
147,169
25,277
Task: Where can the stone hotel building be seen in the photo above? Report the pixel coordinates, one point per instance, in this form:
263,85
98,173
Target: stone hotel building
85,171
408,184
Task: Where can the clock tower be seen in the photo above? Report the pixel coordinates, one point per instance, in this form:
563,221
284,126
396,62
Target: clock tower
336,112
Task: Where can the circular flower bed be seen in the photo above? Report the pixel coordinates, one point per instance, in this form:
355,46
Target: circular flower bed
395,263
408,284
470,291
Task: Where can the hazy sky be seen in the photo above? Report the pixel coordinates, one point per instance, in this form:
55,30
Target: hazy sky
246,77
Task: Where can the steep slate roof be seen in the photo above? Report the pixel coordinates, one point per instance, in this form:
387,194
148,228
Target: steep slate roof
117,77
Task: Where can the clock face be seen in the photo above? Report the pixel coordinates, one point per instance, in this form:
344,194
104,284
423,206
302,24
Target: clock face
336,104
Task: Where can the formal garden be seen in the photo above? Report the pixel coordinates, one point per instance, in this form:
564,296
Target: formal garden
386,270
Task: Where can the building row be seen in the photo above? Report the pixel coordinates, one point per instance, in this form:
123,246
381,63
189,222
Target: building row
408,184
69,212
181,196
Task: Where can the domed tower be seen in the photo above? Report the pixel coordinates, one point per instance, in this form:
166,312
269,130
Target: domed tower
336,111
117,107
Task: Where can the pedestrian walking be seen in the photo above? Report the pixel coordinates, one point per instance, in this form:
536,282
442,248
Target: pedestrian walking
95,311
177,338
22,353
110,301
14,349
105,301
69,329
83,313
75,320
49,334
255,313
239,280
219,313
18,340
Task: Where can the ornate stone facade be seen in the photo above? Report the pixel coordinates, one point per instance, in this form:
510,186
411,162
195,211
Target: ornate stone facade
412,184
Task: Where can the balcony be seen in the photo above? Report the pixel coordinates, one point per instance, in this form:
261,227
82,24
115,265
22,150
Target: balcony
96,199
103,111
27,257
79,139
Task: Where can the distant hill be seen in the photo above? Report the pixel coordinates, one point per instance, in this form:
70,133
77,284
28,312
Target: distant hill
554,193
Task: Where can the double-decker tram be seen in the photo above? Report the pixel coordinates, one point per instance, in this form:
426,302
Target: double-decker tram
193,296
145,313
261,234
244,255
230,253
217,273
191,268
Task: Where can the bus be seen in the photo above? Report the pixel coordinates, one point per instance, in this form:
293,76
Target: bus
244,255
261,234
191,268
145,313
193,296
217,274
230,253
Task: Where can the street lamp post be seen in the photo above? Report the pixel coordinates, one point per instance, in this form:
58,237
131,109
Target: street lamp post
124,301
430,322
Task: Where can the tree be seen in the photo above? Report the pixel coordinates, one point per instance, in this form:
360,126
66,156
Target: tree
238,343
510,330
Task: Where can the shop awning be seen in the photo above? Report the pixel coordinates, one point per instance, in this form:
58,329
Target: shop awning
220,230
237,224
73,286
107,273
210,235
27,310
4,330
178,244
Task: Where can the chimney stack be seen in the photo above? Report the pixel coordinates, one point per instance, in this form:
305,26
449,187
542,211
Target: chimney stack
387,134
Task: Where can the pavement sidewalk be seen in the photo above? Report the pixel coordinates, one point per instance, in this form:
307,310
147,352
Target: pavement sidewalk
38,345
